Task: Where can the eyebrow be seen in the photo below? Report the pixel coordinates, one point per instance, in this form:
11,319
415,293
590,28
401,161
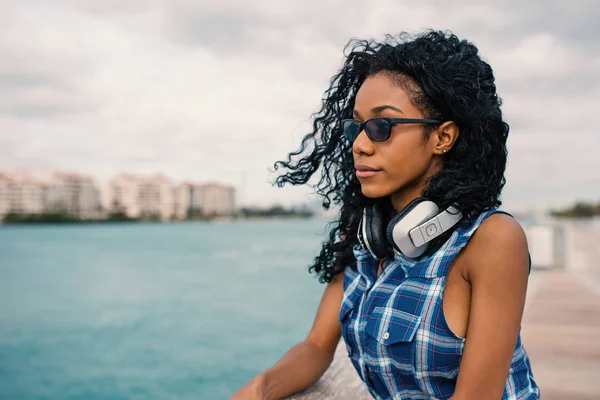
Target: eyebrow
378,109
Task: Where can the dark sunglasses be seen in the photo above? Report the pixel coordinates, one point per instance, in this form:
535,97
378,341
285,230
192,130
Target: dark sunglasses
378,129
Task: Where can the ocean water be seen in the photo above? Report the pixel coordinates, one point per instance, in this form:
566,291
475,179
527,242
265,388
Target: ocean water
151,311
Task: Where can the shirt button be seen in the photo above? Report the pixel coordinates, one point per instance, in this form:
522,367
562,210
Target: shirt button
386,335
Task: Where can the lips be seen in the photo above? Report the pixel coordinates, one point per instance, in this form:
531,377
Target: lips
366,171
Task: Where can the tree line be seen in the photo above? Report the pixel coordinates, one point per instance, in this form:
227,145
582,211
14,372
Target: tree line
579,210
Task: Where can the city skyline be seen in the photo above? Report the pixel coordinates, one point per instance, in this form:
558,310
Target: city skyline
219,91
135,196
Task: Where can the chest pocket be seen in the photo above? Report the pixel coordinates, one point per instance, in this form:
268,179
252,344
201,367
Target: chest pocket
390,336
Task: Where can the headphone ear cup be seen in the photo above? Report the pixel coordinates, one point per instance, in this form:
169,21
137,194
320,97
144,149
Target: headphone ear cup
375,229
390,229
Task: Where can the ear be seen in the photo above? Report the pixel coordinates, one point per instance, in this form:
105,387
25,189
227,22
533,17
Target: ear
445,137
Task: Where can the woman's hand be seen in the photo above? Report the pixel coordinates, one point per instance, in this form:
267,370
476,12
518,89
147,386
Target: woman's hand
253,390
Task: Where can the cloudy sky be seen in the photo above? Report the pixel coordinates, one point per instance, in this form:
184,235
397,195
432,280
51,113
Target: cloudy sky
219,90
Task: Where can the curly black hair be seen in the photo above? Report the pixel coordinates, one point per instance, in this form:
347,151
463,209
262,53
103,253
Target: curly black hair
453,83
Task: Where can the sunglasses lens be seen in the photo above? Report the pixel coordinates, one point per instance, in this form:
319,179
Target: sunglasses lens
378,129
351,129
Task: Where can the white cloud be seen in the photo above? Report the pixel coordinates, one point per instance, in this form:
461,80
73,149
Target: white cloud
542,55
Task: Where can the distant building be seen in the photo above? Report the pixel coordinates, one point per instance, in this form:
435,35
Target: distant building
140,196
58,191
74,193
184,200
218,199
204,199
4,197
20,193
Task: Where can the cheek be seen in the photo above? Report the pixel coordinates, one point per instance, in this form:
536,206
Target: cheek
404,160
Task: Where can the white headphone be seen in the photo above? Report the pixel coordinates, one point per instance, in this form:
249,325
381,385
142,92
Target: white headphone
408,232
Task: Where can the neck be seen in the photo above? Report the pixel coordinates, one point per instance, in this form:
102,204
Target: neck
402,197
405,195
401,200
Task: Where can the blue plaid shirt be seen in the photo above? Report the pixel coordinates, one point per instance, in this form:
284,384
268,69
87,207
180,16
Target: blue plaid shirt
395,331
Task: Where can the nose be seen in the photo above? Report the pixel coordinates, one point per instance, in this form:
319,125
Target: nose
362,144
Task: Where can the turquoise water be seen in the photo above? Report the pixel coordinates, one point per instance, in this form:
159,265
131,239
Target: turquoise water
151,311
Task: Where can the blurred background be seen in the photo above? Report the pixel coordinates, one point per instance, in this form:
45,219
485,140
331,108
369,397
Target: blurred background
145,254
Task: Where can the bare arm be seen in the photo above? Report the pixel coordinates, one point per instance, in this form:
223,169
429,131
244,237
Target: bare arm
497,268
304,363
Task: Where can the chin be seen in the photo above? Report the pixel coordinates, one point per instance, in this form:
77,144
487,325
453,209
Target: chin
374,191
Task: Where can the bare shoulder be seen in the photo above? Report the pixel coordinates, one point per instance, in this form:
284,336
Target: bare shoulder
499,230
500,241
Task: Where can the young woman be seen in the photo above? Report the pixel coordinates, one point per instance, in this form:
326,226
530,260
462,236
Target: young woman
426,279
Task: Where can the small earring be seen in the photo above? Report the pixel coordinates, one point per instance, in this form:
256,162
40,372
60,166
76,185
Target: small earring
445,150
